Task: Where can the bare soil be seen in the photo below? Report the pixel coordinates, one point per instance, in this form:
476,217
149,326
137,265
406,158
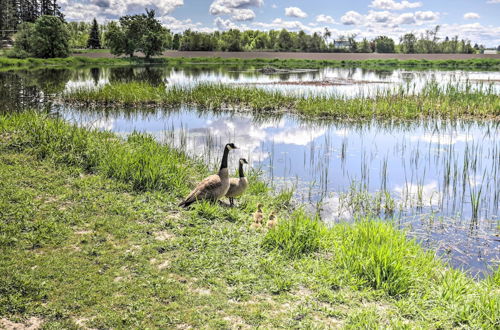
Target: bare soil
312,56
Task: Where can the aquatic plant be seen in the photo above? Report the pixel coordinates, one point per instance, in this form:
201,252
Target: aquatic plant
450,101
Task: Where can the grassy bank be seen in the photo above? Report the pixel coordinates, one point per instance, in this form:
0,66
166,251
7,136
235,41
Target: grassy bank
470,64
90,236
433,101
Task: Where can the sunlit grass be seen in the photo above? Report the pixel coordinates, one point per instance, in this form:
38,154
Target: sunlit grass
81,211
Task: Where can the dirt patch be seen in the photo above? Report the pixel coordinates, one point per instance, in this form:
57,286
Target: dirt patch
30,324
163,235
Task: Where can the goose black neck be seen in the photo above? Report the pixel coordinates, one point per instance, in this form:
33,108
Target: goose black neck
242,175
223,163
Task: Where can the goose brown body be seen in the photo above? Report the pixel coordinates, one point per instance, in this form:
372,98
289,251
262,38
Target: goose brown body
237,186
214,186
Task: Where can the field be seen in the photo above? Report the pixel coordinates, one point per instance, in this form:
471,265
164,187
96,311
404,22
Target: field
91,237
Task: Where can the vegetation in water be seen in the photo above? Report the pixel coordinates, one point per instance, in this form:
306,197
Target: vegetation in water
80,206
451,101
471,64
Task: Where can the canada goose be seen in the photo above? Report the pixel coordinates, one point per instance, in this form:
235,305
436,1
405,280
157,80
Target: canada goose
213,187
272,221
237,186
257,218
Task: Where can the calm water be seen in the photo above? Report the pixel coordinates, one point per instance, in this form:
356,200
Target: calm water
439,180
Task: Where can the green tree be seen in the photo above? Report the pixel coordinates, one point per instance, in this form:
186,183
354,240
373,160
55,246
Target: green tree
384,44
408,42
46,38
176,41
137,33
365,46
115,39
285,40
94,40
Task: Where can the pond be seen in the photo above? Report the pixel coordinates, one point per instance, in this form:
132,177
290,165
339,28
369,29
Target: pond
438,180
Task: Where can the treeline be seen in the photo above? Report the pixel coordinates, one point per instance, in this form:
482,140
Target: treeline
252,40
15,12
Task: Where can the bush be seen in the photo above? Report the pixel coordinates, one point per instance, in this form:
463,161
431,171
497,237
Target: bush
296,236
46,38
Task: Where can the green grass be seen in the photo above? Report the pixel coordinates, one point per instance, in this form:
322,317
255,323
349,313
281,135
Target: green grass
81,245
471,64
433,102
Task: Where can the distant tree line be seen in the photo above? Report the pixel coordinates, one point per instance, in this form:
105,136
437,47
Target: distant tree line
42,32
15,12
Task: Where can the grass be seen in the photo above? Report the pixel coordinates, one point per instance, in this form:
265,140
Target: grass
472,64
451,101
81,245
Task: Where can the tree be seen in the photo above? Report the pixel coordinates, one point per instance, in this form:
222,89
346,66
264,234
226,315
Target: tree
285,40
384,44
46,38
94,40
408,42
365,46
137,33
176,41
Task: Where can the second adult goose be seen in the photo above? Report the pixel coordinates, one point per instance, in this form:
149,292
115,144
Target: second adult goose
213,187
237,186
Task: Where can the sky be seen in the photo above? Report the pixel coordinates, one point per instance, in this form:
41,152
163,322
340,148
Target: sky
475,20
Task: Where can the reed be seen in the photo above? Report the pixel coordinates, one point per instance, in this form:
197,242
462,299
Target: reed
82,60
450,101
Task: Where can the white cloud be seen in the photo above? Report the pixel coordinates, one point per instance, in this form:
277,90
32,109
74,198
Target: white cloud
352,18
379,16
239,10
274,6
493,1
394,5
224,24
471,16
177,25
278,24
426,15
112,9
325,19
406,18
295,12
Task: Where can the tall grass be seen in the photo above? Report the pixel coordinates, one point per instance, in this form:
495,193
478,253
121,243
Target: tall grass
484,64
297,236
451,101
139,160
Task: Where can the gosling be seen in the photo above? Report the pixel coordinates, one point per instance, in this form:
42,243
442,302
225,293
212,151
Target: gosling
237,186
257,218
272,221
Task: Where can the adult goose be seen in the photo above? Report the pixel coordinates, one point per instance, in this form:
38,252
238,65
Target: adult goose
213,187
237,186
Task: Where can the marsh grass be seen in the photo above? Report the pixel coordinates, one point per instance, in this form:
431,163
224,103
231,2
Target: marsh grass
434,101
81,206
484,64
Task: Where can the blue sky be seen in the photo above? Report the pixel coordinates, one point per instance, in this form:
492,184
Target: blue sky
476,20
